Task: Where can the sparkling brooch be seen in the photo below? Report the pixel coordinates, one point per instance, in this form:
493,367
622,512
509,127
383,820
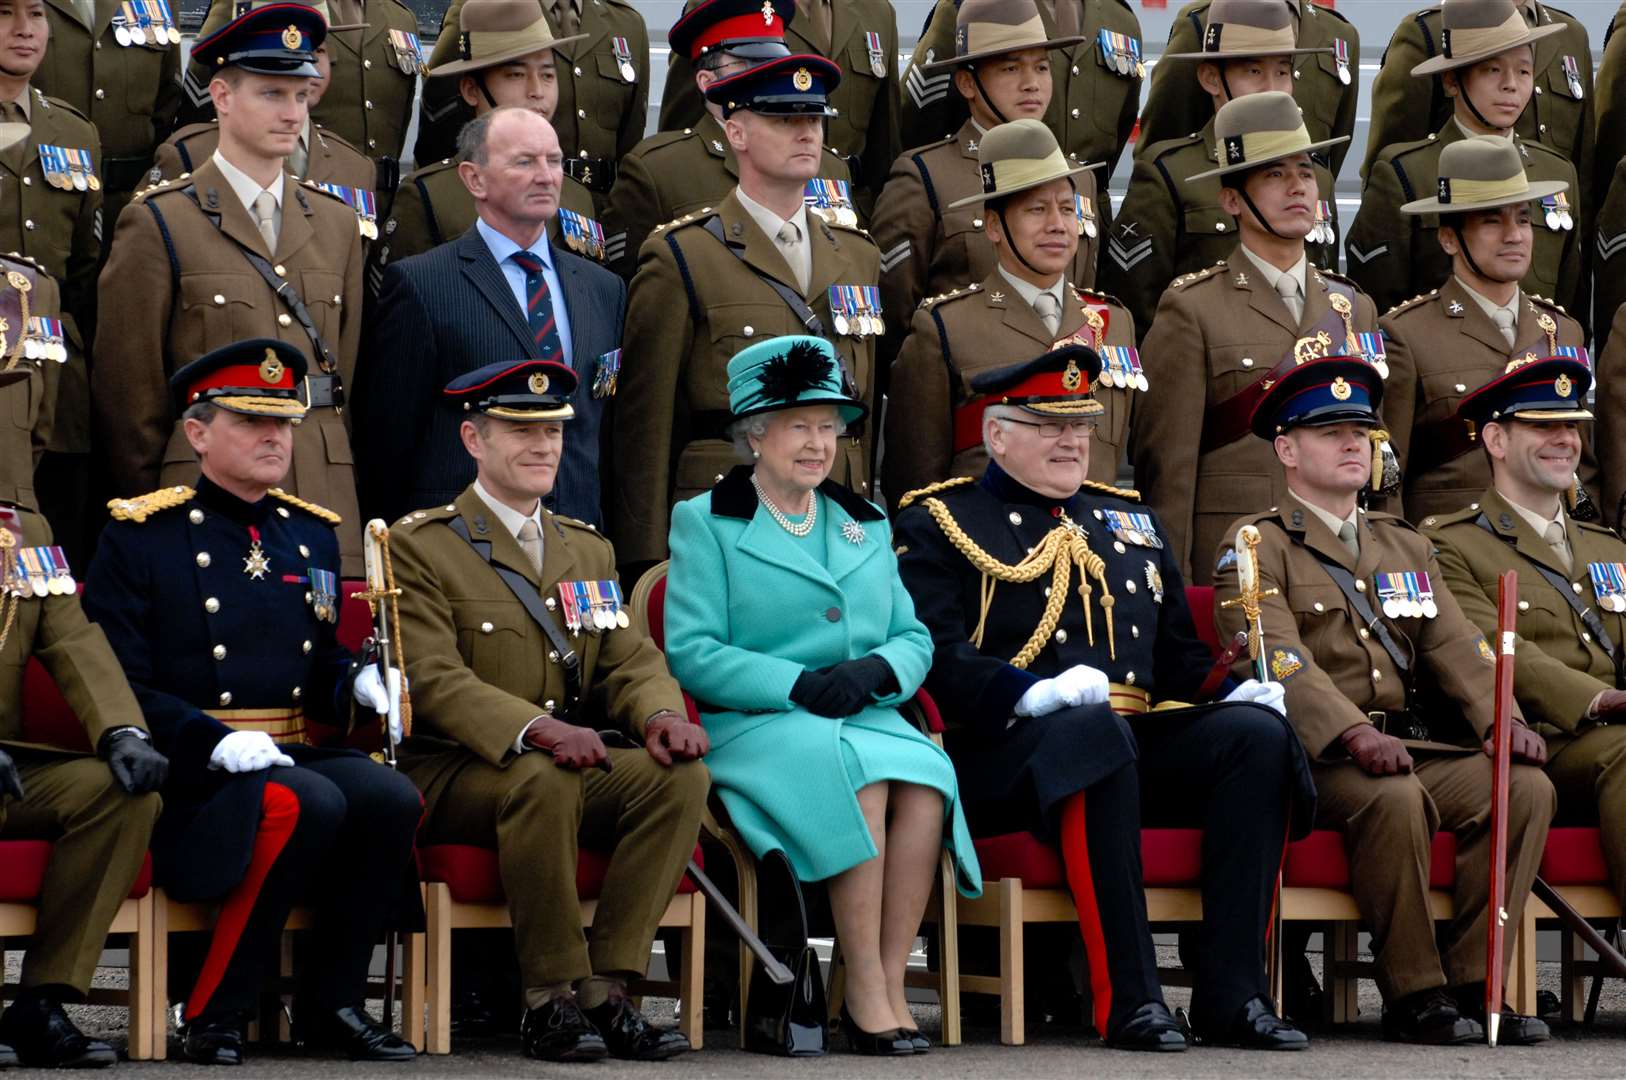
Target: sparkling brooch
853,531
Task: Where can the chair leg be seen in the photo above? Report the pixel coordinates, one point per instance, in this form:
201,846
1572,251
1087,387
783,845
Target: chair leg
1012,984
692,975
745,874
413,979
438,920
1571,984
1524,964
141,990
1342,989
948,955
159,1016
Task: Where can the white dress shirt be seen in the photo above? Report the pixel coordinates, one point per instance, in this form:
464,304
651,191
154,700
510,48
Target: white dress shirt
800,255
247,189
502,249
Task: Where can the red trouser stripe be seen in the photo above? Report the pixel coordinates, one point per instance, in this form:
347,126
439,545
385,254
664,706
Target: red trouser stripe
1075,856
279,813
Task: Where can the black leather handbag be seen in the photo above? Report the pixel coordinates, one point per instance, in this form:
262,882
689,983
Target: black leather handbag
786,1020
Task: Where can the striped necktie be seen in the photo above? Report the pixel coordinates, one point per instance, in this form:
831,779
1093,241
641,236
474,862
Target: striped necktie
539,307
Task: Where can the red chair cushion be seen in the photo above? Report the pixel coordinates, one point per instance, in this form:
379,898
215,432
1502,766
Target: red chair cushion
657,613
355,619
22,871
1200,598
471,874
46,715
1318,861
1574,856
1169,858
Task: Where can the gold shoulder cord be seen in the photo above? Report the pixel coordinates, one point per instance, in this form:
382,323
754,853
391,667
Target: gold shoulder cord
10,598
19,281
390,594
1062,548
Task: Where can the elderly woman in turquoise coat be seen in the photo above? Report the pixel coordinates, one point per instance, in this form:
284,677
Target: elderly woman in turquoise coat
786,619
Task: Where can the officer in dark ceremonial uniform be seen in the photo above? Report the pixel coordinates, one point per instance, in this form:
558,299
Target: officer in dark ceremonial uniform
1075,707
221,602
98,815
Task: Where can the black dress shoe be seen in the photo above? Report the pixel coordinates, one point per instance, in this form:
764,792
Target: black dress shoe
1149,1027
890,1043
558,1031
471,1017
1302,997
42,1036
916,1039
1429,1018
216,1042
8,1057
628,1034
1513,1029
1257,1027
351,1031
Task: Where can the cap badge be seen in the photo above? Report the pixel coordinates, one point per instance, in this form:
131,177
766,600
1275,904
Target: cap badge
292,38
767,12
1562,386
1072,378
271,368
802,80
538,383
1341,389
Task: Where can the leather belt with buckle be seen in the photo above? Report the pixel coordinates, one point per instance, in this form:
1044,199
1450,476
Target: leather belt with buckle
322,391
592,173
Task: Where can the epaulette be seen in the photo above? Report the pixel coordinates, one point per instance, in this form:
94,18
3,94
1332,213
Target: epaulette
322,513
29,260
1096,294
1195,276
1336,276
432,513
964,290
1407,305
662,139
687,219
1107,489
430,169
190,130
580,526
1455,517
1545,302
58,103
142,507
328,134
163,186
1597,527
1164,147
933,489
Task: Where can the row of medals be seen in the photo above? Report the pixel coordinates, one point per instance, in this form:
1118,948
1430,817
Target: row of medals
860,324
151,34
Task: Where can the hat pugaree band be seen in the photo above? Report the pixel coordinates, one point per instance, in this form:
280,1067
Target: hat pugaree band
989,28
1258,129
524,391
256,377
1016,157
1475,30
1244,29
1482,173
495,32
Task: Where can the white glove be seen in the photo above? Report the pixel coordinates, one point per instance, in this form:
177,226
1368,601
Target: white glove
1083,685
1272,694
1042,698
247,751
368,690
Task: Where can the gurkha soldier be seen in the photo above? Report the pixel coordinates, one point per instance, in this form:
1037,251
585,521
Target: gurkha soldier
1029,304
1389,687
1457,338
376,59
1561,111
1223,336
239,248
708,284
677,173
507,56
601,88
1572,588
861,38
1324,84
1611,108
1394,255
1171,221
1611,409
1096,81
931,238
1609,282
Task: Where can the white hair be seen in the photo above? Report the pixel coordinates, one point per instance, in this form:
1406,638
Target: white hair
743,430
1001,413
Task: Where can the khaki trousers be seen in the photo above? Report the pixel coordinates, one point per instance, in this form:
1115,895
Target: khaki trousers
534,813
1589,772
1389,823
100,835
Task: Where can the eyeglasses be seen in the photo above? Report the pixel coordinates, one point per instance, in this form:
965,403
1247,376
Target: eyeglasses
1052,429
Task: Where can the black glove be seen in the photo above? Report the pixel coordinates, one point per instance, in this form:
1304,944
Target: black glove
136,766
10,782
840,690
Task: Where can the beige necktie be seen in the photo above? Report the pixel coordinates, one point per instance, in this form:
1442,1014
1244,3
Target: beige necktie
1554,535
265,215
815,16
1287,286
1346,534
530,542
789,239
1503,318
1049,309
568,17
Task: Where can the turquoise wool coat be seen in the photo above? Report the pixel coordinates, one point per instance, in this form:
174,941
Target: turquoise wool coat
746,613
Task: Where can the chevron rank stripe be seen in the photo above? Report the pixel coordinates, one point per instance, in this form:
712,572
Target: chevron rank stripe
1364,257
1610,246
890,259
1129,257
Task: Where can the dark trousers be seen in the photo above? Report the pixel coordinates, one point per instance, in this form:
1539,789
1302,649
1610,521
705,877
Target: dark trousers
1227,770
337,832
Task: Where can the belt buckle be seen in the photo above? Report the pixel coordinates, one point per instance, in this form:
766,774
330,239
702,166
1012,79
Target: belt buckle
1380,720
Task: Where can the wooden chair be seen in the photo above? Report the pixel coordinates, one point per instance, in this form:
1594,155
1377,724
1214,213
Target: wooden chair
48,719
1573,865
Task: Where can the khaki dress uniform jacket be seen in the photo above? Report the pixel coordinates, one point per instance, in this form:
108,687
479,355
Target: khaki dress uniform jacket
927,248
481,669
1561,665
1611,106
1441,347
1395,256
970,330
693,304
1168,226
1217,333
99,831
1094,101
1176,105
368,101
1610,409
199,293
29,403
1609,279
674,174
600,116
331,160
1337,675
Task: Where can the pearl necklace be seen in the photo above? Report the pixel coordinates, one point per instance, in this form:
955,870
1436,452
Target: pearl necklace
797,530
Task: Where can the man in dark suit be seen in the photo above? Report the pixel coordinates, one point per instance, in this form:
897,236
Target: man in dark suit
501,291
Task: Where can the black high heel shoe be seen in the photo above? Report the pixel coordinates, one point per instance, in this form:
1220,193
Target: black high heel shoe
920,1043
892,1043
